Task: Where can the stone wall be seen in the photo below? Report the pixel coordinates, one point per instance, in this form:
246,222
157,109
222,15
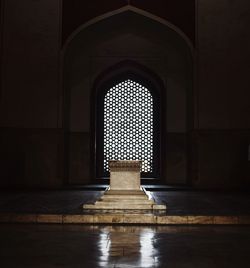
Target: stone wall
134,37
45,128
223,65
31,127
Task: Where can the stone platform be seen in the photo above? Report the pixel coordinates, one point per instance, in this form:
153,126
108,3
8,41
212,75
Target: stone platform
124,217
125,200
125,191
184,208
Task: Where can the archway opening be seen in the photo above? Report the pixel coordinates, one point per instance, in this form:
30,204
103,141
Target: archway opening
155,49
128,120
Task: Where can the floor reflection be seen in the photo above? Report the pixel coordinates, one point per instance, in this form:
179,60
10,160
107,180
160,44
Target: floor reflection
104,246
127,245
95,246
147,249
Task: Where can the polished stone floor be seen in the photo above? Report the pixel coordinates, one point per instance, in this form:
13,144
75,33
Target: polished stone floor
179,202
123,246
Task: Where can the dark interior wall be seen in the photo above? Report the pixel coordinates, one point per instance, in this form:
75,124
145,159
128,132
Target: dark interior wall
32,138
30,97
224,64
1,43
180,13
223,131
31,41
134,37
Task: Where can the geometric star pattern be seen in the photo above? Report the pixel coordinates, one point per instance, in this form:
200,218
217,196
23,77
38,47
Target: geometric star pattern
128,124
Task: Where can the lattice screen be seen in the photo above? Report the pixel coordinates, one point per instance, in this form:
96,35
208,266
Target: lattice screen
128,124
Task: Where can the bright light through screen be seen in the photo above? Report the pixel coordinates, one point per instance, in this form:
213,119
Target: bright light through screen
128,124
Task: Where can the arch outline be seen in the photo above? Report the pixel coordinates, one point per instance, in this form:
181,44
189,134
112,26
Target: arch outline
137,11
115,74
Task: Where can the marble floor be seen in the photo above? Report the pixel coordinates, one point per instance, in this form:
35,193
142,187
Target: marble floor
179,202
123,246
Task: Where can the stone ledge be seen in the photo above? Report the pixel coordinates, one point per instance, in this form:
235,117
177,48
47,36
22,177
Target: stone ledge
140,219
226,220
172,220
23,218
117,206
101,218
200,219
244,219
119,218
77,219
49,218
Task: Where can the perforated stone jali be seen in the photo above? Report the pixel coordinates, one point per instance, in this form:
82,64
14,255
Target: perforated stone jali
128,124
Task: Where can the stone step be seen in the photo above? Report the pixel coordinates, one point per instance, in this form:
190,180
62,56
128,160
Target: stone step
125,218
159,207
125,192
130,201
125,197
107,205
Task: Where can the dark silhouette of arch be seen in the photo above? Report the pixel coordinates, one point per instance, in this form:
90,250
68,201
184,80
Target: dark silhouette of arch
130,8
121,71
111,77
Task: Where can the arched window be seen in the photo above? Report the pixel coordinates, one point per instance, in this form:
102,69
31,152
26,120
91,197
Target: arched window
128,124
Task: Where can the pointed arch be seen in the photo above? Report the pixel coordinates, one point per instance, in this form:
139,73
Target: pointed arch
138,11
75,62
111,78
